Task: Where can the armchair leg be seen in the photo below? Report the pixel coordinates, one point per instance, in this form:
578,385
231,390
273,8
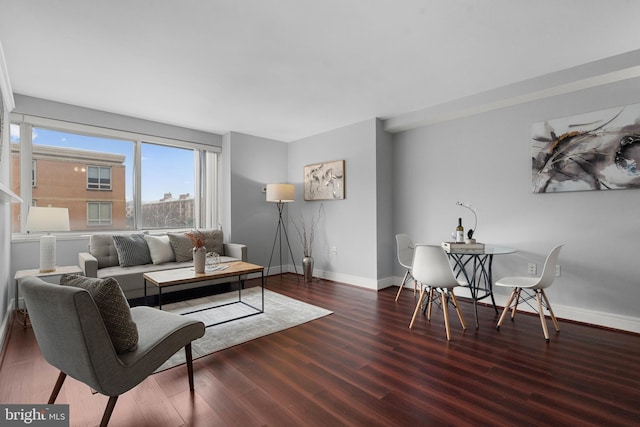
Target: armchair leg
189,357
108,411
56,388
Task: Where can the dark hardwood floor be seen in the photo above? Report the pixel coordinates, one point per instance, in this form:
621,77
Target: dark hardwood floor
362,366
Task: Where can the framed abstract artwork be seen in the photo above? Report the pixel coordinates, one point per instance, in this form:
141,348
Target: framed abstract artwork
324,181
592,151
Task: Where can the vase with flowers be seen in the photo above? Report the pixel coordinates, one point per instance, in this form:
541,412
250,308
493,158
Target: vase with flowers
307,234
199,250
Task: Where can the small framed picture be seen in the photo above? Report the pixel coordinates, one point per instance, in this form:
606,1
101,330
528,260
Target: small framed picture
324,181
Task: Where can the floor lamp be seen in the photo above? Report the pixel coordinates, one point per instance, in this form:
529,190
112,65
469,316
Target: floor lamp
281,194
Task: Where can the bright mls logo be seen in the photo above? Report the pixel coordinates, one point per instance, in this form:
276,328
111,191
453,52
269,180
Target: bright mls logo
34,415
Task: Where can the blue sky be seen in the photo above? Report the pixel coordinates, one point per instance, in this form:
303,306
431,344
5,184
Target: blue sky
165,169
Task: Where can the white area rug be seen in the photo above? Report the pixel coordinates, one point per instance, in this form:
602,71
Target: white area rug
280,312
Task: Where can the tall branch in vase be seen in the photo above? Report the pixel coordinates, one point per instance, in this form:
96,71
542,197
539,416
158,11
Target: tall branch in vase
307,233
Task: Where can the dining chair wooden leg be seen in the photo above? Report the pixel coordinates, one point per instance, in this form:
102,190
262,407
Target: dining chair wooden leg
553,316
515,303
506,308
429,308
542,319
404,279
415,312
445,311
455,303
56,389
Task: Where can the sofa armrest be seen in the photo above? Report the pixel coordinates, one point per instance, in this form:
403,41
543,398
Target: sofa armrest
236,250
88,263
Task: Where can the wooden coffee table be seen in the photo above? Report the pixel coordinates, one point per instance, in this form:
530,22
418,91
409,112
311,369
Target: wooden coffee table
180,276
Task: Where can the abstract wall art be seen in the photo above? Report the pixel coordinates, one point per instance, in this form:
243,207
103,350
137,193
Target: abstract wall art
324,181
592,151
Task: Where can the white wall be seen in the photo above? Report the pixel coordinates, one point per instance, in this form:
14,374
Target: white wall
485,160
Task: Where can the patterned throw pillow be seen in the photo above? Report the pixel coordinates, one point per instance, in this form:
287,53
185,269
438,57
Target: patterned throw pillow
113,308
213,241
132,249
182,246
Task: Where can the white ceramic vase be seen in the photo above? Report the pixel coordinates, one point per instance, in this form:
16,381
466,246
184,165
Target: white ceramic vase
199,259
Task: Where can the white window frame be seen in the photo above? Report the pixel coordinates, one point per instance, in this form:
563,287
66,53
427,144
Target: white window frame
207,178
99,186
100,220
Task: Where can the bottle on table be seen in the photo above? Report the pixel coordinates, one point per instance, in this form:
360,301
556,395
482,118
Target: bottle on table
459,232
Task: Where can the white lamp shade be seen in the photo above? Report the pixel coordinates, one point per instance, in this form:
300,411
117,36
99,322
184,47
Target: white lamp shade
281,193
48,219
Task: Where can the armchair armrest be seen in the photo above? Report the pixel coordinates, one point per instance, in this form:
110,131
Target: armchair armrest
88,263
236,250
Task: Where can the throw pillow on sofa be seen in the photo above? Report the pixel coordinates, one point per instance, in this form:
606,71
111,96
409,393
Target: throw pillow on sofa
132,249
160,249
213,241
182,246
113,308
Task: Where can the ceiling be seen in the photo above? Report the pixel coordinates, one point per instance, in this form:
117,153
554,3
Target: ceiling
288,69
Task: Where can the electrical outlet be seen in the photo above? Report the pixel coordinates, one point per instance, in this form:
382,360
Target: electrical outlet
557,270
533,269
334,250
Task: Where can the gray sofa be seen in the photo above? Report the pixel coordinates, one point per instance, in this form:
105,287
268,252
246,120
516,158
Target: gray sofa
126,257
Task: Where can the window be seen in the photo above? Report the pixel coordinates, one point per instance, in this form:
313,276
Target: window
110,179
98,178
99,213
168,188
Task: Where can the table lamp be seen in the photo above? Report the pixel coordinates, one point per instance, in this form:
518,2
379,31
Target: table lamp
47,220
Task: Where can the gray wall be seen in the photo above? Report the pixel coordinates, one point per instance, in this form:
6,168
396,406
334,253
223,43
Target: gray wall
485,160
250,163
349,225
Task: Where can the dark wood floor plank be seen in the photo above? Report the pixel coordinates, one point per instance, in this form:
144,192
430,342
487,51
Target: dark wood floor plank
363,366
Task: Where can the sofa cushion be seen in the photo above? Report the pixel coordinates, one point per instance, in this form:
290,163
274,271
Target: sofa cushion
160,249
101,246
182,246
213,241
113,308
132,249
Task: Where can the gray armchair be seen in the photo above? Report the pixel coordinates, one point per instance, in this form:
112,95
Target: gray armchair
73,338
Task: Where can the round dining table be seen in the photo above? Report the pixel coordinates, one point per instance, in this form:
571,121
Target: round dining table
476,268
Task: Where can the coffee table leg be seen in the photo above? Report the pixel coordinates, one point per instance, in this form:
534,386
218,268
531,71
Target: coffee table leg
159,298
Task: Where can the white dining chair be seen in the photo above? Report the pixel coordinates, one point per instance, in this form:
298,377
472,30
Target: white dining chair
532,287
404,247
431,268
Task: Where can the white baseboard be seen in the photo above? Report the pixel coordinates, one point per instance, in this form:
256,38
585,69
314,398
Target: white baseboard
4,327
599,318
